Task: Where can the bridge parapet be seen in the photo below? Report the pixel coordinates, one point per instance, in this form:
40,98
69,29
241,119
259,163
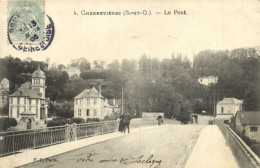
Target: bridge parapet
244,155
16,141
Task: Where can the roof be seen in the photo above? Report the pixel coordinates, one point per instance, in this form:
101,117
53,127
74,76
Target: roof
38,73
230,101
26,92
91,93
213,77
249,117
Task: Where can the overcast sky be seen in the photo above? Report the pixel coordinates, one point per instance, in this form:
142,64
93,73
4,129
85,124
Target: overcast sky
214,25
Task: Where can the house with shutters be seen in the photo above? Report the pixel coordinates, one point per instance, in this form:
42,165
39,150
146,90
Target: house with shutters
247,125
227,108
28,101
91,104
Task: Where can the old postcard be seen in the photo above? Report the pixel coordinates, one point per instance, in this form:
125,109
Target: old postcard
130,84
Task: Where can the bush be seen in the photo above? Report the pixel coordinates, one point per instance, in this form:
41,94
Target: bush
7,123
109,118
57,122
77,120
92,120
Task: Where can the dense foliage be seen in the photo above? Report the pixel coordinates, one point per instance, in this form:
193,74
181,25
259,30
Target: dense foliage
6,123
150,85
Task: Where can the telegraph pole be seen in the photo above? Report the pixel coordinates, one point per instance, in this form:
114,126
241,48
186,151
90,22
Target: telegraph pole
122,105
214,104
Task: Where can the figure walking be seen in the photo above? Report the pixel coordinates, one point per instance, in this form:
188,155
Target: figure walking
160,120
126,121
121,124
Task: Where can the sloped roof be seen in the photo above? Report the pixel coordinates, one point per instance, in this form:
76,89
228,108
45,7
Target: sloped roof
26,92
230,101
91,93
205,77
38,73
249,117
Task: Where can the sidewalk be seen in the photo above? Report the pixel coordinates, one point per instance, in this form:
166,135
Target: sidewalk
27,156
211,151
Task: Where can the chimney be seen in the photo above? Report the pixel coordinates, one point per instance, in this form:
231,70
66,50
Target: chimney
15,88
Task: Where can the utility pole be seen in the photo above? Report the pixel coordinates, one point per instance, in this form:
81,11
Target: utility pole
122,103
214,104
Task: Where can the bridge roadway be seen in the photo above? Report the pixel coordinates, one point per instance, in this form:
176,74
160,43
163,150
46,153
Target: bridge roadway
165,146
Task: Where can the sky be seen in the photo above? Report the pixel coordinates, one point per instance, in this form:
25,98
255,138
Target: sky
208,25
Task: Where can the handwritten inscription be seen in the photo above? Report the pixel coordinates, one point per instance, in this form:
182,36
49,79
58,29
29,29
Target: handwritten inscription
150,161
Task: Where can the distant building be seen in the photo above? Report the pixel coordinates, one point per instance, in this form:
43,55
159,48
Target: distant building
227,108
4,92
91,104
29,102
247,124
206,80
72,72
115,105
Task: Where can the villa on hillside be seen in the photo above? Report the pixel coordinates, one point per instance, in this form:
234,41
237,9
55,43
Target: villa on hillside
227,108
206,80
91,104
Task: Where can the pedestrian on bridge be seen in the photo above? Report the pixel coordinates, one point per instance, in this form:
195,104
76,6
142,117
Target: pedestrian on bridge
121,124
126,121
160,120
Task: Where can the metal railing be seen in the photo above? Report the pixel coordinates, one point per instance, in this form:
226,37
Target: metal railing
245,157
17,141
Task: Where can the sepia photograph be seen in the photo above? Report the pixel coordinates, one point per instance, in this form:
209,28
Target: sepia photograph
129,83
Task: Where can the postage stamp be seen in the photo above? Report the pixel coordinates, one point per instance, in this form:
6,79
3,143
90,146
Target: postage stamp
29,28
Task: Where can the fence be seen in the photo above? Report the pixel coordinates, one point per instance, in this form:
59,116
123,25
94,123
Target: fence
15,141
244,155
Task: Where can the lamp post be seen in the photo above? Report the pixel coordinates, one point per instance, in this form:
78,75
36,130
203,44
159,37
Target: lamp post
122,103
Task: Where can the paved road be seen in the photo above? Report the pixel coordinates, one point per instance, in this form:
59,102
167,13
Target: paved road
165,146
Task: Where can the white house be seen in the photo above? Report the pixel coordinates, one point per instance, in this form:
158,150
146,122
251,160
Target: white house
29,100
91,104
206,80
227,108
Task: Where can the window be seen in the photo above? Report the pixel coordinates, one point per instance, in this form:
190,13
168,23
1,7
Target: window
30,108
95,112
222,109
24,108
18,111
11,112
88,101
36,101
24,100
95,101
79,112
3,97
253,129
30,101
18,100
87,112
76,101
11,100
36,112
